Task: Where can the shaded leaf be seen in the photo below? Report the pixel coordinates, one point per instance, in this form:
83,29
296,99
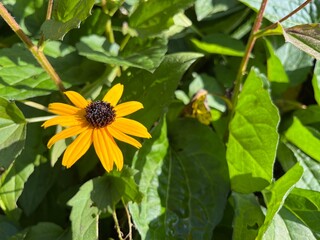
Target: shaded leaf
12,131
246,225
189,180
206,8
253,137
7,227
156,90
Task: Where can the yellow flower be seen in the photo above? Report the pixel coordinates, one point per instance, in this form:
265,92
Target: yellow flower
97,122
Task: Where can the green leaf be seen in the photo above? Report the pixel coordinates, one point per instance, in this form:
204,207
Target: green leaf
305,204
275,195
309,115
66,15
155,90
246,225
189,180
153,17
305,37
12,132
300,136
146,54
275,71
275,10
253,137
206,8
220,44
44,230
84,214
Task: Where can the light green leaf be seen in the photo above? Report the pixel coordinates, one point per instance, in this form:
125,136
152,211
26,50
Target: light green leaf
253,137
153,17
146,54
275,195
189,180
309,115
67,14
275,10
305,37
248,216
275,71
155,90
220,44
206,8
44,230
300,136
12,132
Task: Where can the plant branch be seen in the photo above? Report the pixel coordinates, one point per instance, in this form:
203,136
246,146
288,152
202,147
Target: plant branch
36,52
129,236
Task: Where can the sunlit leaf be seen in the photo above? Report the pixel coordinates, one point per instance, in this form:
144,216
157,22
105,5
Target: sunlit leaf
206,8
253,137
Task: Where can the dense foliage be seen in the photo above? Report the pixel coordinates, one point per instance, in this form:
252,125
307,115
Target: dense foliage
231,94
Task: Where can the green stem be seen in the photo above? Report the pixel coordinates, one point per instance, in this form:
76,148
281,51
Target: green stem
35,105
114,215
36,52
38,119
245,59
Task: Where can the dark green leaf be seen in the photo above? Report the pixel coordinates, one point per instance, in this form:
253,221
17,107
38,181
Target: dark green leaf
44,230
189,180
220,44
253,137
156,90
67,14
305,37
7,227
246,225
146,54
275,195
12,132
300,136
153,17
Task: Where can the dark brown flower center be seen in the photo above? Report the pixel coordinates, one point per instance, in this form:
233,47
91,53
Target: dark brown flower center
100,114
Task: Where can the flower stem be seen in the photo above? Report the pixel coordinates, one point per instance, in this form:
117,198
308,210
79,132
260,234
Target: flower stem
120,234
36,52
38,119
129,236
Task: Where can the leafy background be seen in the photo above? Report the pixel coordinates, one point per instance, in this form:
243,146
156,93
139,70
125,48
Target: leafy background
252,172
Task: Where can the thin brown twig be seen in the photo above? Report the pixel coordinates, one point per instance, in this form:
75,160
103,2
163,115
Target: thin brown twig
49,9
129,235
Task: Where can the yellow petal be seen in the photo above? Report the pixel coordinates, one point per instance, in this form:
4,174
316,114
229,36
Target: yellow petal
76,99
69,132
116,153
65,121
100,139
127,108
63,109
131,127
123,137
77,148
114,94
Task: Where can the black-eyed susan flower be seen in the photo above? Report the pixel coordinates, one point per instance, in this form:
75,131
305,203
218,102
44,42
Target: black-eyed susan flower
97,122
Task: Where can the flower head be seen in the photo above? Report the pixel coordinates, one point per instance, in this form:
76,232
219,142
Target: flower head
97,122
